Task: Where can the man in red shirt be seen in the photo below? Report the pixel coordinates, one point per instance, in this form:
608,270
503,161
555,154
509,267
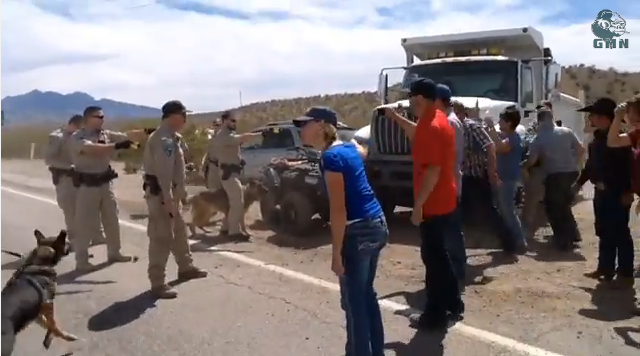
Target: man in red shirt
433,151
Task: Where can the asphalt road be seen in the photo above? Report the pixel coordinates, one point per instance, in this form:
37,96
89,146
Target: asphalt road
241,309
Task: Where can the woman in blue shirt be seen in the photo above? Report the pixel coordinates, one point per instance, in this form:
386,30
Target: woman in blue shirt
509,155
358,229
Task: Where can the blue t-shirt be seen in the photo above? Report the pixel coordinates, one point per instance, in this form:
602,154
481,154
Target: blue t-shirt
361,202
509,162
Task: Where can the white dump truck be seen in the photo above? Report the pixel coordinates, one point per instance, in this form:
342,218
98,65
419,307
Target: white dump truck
494,69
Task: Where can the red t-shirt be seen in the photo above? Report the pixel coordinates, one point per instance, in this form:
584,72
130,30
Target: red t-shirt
434,145
634,135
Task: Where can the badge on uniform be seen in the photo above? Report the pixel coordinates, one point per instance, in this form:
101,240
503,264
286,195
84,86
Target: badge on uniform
167,146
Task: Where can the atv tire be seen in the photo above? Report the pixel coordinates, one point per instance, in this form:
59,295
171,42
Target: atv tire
297,213
269,208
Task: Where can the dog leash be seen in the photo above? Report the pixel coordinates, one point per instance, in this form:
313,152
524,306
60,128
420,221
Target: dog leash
11,253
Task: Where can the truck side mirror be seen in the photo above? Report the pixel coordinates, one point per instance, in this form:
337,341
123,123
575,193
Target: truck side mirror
554,72
383,82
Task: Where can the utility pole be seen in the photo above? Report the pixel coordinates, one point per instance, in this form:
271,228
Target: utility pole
240,96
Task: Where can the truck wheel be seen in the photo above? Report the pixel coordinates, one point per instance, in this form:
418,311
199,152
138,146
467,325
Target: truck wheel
297,213
269,208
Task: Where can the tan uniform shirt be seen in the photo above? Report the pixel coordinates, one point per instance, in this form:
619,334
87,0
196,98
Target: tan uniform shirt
86,163
163,158
226,147
58,154
210,155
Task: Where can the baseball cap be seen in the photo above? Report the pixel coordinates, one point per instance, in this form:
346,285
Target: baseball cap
544,104
443,93
423,87
174,107
317,113
602,106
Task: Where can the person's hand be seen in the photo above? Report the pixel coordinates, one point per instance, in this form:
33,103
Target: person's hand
416,216
627,199
336,265
169,207
575,189
621,111
488,121
389,112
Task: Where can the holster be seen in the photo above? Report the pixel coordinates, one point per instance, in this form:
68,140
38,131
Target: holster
229,169
57,173
96,179
151,182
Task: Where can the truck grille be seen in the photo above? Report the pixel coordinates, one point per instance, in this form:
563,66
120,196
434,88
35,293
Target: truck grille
389,137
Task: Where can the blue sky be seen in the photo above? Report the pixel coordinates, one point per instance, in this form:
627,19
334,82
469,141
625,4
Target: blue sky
206,51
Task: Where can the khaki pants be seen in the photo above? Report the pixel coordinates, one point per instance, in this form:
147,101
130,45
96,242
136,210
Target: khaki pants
533,196
95,205
166,235
235,216
213,178
66,197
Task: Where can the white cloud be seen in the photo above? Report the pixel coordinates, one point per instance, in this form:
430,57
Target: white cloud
127,51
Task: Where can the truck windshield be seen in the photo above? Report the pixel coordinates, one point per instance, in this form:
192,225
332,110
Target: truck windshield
496,80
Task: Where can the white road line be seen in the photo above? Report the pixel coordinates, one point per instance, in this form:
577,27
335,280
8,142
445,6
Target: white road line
479,334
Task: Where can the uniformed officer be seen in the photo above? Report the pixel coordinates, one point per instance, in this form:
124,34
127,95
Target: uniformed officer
58,159
164,184
92,149
226,145
212,171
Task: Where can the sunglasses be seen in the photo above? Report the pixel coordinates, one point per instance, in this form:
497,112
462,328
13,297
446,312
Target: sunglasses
101,117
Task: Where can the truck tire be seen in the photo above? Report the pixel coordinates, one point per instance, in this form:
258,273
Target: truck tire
269,208
297,213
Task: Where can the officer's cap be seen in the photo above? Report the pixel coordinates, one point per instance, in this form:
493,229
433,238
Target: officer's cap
318,114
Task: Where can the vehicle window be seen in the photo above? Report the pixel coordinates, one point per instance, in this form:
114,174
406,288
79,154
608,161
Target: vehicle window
252,144
277,138
527,86
345,135
491,79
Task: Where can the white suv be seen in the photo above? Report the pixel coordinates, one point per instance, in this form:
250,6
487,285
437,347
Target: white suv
281,139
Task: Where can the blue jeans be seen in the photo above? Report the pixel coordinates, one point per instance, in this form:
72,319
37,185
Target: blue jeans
363,242
506,195
456,247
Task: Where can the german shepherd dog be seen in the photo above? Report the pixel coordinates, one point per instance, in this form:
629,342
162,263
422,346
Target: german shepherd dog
206,204
28,296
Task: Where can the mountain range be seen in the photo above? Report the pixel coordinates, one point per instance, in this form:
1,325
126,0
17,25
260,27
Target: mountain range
47,106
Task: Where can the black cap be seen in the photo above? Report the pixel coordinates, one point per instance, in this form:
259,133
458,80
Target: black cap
544,104
317,113
602,106
173,107
423,87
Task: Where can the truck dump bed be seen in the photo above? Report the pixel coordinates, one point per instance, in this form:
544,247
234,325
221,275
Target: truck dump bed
515,43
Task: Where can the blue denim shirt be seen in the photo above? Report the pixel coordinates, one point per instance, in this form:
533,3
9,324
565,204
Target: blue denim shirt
509,162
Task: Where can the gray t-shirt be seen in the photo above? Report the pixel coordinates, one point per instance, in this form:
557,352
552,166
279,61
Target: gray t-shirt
556,148
459,145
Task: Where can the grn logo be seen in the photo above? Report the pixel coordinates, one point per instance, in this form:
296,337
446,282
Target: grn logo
608,27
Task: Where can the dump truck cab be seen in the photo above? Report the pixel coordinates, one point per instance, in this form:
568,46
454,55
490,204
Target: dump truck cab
490,69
